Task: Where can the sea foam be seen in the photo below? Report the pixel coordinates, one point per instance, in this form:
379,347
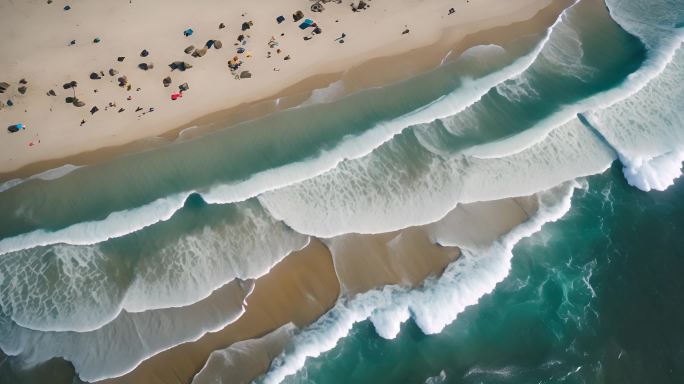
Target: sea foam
433,306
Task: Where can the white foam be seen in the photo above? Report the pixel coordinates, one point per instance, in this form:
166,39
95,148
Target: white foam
192,267
324,95
646,128
375,195
433,306
51,174
120,346
116,224
82,288
658,173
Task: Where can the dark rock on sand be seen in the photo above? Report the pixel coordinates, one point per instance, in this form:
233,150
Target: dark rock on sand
180,65
199,52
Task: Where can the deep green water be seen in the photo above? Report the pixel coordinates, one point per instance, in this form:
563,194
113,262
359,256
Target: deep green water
593,298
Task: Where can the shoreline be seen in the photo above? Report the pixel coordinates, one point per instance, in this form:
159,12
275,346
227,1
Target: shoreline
374,72
308,283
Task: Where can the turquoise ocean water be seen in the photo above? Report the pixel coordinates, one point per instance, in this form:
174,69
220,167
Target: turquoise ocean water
103,266
592,298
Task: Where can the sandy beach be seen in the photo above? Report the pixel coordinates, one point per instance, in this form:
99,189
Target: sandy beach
54,134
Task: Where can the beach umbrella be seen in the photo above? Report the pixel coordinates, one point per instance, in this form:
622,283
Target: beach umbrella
245,75
144,53
113,72
94,76
189,49
79,103
167,81
183,87
209,44
188,32
22,89
280,19
93,110
245,26
218,44
221,26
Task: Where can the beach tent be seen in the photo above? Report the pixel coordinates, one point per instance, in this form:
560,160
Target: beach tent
306,24
188,32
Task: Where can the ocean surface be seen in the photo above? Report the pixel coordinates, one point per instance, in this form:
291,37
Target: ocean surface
106,265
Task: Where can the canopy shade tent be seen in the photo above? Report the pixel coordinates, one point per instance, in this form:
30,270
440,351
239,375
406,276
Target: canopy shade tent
306,24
